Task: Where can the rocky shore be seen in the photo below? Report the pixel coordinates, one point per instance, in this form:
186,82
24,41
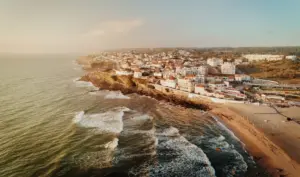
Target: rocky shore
128,84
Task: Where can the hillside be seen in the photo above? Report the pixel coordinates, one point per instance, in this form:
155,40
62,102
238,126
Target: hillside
284,71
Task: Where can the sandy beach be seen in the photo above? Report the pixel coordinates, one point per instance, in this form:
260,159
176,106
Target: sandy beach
268,136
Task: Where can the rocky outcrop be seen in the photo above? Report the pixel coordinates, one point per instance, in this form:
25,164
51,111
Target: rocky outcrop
128,84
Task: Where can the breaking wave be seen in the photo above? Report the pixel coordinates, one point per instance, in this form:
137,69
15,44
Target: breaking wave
139,134
84,84
109,94
116,95
180,157
110,121
112,144
227,130
176,156
235,161
97,93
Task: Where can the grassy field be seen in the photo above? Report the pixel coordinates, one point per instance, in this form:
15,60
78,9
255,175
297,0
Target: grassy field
283,71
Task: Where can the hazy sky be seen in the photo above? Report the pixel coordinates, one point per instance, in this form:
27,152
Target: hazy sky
51,26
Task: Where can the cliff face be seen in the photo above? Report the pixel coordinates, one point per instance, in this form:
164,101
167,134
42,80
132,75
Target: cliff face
128,84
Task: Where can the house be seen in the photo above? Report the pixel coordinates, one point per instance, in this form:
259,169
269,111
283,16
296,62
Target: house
242,77
210,78
200,89
137,74
171,82
200,78
238,61
124,72
203,70
186,85
230,78
218,95
214,62
291,57
275,97
257,57
216,86
157,74
228,68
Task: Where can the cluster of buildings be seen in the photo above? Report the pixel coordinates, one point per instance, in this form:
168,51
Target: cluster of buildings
181,70
268,57
185,71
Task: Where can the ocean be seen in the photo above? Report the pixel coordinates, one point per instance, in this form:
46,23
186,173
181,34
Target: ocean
53,125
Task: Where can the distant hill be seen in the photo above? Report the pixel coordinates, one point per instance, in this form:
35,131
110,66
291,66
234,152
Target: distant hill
285,71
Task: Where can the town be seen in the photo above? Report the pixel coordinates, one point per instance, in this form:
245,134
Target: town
215,77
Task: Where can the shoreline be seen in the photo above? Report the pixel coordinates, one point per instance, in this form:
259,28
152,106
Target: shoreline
265,152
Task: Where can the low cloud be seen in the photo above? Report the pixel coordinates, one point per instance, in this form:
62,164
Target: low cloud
114,27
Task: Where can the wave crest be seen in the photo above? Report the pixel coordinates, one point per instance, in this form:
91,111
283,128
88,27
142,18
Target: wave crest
110,121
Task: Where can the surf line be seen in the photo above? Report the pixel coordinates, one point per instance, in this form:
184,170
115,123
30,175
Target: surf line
223,126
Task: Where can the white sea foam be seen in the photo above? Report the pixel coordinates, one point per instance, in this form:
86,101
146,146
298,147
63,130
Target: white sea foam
135,123
227,130
78,117
110,121
181,158
83,84
76,79
143,117
171,131
112,144
98,93
218,142
116,95
109,94
139,130
236,163
150,132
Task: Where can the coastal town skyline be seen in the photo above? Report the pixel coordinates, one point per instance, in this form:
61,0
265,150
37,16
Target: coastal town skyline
150,88
83,27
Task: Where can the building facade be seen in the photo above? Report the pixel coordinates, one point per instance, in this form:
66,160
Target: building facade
214,62
257,57
228,68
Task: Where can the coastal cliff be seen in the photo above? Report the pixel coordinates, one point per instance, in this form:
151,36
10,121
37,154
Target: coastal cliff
128,84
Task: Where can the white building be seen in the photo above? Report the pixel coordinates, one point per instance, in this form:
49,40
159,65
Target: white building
188,71
291,57
238,61
168,74
124,73
242,77
137,74
156,65
184,53
200,78
228,68
257,57
214,62
203,70
168,83
200,89
186,85
157,74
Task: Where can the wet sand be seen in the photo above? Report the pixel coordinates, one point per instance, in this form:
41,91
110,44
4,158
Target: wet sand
272,140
